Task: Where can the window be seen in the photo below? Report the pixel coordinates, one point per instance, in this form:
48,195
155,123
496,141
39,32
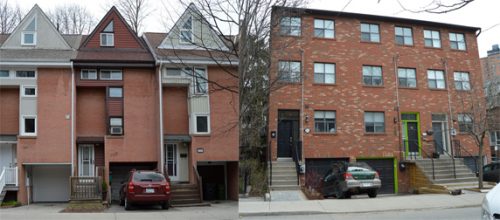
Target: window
464,122
115,92
404,36
107,36
461,80
29,91
186,32
200,81
28,36
290,26
111,75
324,73
174,72
457,41
25,74
116,125
289,71
374,122
29,125
407,77
324,28
324,121
432,39
4,73
88,74
370,32
436,79
372,75
202,124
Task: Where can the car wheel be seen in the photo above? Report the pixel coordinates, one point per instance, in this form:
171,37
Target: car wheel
372,193
340,194
165,205
347,195
127,204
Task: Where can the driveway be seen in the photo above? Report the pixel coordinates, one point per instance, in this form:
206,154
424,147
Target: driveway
224,210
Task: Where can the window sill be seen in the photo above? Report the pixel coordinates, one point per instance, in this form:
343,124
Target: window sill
201,135
438,90
115,136
324,84
324,38
292,36
26,136
464,91
324,134
371,42
457,50
288,83
410,88
375,134
375,87
404,45
434,48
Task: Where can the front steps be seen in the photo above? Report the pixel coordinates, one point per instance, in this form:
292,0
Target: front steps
284,175
185,194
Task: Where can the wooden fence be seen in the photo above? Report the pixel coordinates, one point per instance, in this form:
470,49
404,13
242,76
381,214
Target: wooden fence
86,188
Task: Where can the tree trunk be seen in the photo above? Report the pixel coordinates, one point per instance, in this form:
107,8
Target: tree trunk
480,166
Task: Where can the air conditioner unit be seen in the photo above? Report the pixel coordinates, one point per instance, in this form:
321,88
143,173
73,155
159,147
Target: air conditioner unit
116,130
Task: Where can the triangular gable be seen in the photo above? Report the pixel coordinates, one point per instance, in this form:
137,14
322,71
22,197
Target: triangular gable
39,32
202,37
122,35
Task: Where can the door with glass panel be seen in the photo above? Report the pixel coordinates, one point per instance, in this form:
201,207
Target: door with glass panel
411,135
86,156
440,133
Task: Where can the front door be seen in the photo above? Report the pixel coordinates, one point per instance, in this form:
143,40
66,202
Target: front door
288,132
177,162
411,136
86,164
439,128
7,155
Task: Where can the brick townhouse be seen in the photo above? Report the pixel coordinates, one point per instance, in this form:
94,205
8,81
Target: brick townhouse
99,105
491,77
384,90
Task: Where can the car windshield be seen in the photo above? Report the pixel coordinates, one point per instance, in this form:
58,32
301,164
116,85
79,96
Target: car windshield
357,169
359,166
148,177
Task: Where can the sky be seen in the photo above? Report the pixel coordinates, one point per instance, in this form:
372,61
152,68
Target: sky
480,13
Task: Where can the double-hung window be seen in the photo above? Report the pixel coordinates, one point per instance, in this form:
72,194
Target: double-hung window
88,74
289,71
464,122
461,81
324,121
370,32
290,26
324,28
374,122
436,79
432,39
186,31
404,36
324,73
372,75
108,36
407,78
200,81
457,41
116,125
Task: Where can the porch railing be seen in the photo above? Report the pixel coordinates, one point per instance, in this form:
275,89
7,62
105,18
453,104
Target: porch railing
199,181
11,176
85,188
296,156
2,179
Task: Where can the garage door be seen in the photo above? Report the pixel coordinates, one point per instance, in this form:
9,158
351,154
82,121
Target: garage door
118,172
385,168
51,183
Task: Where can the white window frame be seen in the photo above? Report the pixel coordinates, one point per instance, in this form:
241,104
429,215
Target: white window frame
8,74
368,71
371,32
34,71
195,120
288,29
23,91
458,78
203,80
433,39
113,87
288,75
179,68
324,119
181,30
323,73
23,38
436,79
403,35
320,25
23,126
108,36
405,70
88,71
110,74
371,115
459,43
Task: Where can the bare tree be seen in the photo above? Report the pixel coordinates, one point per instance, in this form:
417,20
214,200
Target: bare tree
437,6
72,19
10,17
134,12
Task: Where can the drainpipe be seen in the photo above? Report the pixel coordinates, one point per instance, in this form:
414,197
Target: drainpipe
395,59
445,64
72,119
160,102
303,78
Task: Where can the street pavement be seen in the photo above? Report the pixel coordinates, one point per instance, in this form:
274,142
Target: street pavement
359,204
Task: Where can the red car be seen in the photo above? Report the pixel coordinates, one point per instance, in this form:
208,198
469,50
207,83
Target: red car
145,187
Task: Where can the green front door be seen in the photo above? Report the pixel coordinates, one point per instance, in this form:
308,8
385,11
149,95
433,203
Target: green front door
411,134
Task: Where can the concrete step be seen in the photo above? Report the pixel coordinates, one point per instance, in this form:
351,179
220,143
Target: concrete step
287,159
285,187
452,176
185,201
445,171
452,180
283,169
283,165
284,177
283,173
185,194
284,182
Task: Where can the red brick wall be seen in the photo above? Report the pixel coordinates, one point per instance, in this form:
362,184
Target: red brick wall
350,98
175,110
9,110
91,112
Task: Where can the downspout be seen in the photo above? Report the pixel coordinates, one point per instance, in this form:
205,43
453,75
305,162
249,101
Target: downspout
160,102
303,78
445,64
395,59
72,119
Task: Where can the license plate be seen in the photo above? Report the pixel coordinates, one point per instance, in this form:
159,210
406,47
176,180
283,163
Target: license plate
366,184
150,190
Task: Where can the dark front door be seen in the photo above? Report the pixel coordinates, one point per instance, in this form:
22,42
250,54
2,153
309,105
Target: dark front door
412,137
437,128
288,132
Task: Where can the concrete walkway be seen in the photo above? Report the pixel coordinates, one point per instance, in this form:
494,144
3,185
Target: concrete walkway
359,204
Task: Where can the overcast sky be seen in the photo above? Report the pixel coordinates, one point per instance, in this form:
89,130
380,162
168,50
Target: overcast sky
480,13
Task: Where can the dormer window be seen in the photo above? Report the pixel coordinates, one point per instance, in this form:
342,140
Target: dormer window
107,36
28,36
186,34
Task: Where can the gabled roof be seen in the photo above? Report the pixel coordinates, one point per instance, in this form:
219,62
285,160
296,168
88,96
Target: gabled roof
41,55
128,47
47,36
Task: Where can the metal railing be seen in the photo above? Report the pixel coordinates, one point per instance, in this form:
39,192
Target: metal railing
459,150
432,163
85,188
451,156
199,181
11,176
296,157
2,179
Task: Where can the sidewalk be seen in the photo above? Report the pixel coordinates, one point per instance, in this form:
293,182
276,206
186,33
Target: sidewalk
253,207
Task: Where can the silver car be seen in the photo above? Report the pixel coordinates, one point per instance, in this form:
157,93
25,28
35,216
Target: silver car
490,209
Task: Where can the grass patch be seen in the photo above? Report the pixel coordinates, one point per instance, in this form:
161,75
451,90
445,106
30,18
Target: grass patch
84,206
8,204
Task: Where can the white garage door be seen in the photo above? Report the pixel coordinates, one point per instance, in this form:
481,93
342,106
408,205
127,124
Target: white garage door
51,183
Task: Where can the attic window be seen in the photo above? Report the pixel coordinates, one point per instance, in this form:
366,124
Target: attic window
107,36
28,37
187,31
